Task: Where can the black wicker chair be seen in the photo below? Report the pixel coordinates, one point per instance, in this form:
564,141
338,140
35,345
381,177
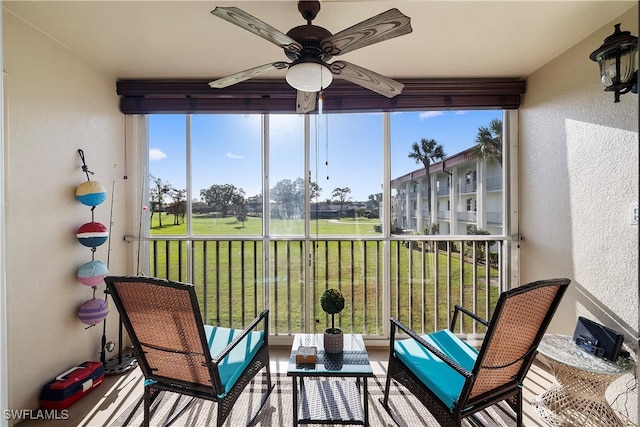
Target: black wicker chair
178,353
470,380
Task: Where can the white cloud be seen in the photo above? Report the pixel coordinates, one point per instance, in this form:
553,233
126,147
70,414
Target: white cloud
429,114
156,154
234,156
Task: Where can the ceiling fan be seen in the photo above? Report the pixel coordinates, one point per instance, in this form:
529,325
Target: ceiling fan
309,47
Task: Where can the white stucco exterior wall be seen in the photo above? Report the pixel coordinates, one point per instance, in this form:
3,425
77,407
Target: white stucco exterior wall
56,103
578,177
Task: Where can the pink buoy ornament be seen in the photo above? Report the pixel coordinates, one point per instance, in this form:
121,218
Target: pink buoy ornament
92,273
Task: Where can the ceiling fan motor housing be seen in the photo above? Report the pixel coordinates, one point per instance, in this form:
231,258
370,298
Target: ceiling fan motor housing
310,38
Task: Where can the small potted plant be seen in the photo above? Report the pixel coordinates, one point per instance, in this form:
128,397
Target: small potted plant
332,302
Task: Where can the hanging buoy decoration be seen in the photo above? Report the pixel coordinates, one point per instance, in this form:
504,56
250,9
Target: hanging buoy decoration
91,193
92,273
93,311
92,234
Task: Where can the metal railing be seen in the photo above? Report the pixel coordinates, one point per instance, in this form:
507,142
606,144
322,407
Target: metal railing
425,277
494,218
494,183
467,216
468,187
443,191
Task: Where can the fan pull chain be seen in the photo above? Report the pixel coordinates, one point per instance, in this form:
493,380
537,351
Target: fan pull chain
326,140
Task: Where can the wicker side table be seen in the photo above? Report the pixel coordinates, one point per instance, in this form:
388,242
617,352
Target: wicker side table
578,397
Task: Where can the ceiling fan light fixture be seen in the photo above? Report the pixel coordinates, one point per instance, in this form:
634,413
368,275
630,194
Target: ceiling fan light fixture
309,76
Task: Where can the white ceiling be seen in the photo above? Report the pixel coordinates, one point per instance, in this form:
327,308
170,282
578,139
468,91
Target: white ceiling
181,39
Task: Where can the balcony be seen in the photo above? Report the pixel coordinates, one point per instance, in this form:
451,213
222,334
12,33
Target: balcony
467,216
443,191
494,183
468,187
564,114
494,218
426,277
446,215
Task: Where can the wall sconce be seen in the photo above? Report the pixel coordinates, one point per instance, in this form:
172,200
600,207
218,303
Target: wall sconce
617,58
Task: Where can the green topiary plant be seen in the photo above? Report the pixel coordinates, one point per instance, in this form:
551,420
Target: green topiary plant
332,302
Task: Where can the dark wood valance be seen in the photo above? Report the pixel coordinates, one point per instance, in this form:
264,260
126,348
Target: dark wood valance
276,96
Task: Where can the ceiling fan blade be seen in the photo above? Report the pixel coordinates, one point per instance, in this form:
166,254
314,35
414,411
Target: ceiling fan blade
384,26
305,102
247,74
366,78
250,23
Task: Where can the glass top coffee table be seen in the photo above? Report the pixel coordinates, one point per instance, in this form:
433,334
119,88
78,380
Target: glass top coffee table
322,399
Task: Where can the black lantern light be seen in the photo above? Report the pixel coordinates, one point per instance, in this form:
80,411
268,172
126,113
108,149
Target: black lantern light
617,58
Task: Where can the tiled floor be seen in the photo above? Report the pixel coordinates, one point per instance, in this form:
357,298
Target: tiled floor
103,405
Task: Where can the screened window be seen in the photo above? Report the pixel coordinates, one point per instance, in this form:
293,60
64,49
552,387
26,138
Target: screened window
270,210
318,175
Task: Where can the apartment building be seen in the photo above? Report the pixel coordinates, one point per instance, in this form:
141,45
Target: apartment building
466,192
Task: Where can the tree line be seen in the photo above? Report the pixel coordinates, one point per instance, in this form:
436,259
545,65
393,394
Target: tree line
287,195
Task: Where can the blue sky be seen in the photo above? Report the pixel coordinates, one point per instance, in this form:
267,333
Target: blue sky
345,148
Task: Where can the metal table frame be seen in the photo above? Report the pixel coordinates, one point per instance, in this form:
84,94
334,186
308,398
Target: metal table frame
323,399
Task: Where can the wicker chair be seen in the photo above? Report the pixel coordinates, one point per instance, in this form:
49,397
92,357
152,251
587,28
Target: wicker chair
470,380
178,353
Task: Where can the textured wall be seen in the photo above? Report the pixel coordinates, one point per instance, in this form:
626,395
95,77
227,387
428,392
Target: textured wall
578,176
56,103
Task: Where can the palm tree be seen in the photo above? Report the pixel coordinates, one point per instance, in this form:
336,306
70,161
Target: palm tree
427,151
489,142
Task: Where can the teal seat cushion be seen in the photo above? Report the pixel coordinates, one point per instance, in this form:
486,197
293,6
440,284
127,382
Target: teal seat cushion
232,366
439,377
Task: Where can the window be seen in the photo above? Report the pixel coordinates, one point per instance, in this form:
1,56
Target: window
225,174
269,210
470,178
286,178
456,133
346,157
214,164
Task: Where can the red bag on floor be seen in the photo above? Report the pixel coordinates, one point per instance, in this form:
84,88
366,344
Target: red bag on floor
71,385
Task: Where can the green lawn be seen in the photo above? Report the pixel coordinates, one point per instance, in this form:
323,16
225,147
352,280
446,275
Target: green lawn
232,271
212,224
